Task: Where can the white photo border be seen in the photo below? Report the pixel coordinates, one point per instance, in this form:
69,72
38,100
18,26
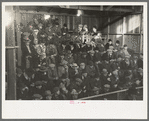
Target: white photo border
63,109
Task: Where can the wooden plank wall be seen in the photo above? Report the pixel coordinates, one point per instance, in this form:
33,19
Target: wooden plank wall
128,31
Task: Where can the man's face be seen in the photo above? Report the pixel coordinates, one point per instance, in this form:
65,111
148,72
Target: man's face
52,68
117,44
92,54
110,42
97,78
125,48
119,59
82,66
48,97
96,92
115,72
62,56
84,56
75,96
39,87
56,26
84,74
58,92
109,52
94,30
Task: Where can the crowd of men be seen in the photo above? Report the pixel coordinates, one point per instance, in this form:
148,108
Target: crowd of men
57,65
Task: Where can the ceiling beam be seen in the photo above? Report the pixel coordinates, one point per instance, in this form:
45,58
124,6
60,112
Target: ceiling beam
97,8
108,8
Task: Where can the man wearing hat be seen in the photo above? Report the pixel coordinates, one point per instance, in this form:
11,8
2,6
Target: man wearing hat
57,94
82,58
126,64
47,95
64,30
51,52
26,51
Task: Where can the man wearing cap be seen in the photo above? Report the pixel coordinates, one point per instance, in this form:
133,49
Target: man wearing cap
127,51
74,94
69,58
38,88
120,53
115,78
90,68
105,79
73,71
96,82
117,45
52,73
91,56
63,69
108,44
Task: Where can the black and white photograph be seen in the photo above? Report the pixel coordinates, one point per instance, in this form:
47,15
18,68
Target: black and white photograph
78,53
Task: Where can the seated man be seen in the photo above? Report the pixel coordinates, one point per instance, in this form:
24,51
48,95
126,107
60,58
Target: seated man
140,61
82,58
109,55
51,52
52,73
91,70
127,51
73,71
108,44
126,64
105,79
63,69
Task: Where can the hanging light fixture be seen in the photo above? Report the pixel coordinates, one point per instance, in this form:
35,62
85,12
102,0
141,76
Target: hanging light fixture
79,12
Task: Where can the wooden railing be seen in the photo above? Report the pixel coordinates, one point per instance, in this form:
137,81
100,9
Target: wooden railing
109,93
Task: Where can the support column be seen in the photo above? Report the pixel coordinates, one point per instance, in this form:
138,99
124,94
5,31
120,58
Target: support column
68,22
124,31
141,34
18,33
10,55
108,28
